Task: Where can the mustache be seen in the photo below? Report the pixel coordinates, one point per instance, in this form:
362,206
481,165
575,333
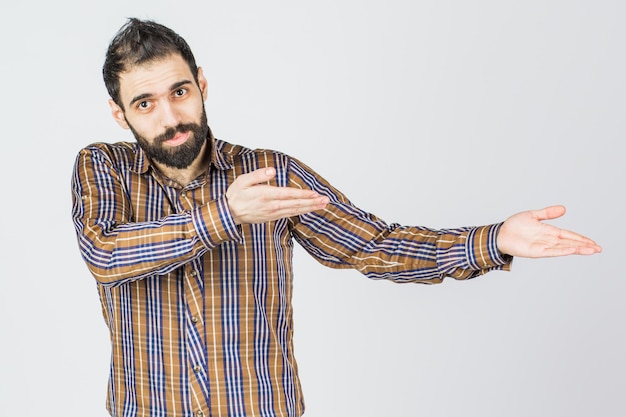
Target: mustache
170,132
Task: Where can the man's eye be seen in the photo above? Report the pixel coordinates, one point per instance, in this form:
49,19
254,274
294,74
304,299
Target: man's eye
143,105
180,92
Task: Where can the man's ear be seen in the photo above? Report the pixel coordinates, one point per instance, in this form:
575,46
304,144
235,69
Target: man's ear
118,114
203,84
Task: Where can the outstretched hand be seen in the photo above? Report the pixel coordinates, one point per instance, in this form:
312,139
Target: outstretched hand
524,234
251,200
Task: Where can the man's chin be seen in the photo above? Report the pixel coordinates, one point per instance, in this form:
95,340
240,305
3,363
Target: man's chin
180,156
176,161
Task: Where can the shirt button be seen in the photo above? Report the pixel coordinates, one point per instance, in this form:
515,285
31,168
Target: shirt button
199,413
192,273
194,319
184,194
197,369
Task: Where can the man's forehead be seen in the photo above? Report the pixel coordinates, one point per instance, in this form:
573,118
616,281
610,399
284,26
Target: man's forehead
154,76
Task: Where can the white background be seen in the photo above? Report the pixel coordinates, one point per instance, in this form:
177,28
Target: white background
441,113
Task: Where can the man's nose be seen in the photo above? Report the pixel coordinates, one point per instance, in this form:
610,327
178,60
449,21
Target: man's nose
170,116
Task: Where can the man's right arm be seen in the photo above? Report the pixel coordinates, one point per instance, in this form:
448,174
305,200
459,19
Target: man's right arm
115,247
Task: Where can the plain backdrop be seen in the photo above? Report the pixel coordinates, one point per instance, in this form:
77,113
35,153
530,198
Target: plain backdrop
441,113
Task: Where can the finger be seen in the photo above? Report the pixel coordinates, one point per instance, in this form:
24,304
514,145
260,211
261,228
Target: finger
589,250
573,236
554,251
577,241
307,204
564,250
549,213
288,193
257,176
290,208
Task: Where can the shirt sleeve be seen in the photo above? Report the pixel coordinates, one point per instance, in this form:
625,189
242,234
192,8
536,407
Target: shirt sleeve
344,236
115,247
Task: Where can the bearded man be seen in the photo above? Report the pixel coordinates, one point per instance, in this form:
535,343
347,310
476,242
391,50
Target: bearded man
190,241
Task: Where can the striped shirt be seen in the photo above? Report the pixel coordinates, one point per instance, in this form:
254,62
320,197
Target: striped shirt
199,309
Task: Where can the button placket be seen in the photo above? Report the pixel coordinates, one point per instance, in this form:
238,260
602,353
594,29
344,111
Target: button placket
194,317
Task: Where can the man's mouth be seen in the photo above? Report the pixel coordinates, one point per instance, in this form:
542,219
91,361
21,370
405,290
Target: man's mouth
178,139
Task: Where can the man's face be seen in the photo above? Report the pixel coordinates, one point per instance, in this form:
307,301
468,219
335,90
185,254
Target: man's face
164,108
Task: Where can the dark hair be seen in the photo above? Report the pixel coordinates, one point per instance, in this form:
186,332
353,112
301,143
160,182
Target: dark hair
139,42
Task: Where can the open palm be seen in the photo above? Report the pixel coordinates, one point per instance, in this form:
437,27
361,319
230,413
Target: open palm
526,235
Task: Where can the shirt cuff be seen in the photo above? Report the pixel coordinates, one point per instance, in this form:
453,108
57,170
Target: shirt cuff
482,251
214,223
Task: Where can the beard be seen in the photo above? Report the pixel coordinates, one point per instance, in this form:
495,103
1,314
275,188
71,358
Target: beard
180,156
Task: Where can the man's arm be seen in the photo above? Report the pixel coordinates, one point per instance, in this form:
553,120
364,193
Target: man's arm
344,236
118,249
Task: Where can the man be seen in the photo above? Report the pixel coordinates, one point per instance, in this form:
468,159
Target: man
190,241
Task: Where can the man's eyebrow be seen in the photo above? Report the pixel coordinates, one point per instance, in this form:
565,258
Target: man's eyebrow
173,87
138,98
179,84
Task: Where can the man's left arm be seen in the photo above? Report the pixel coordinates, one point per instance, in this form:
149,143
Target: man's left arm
344,236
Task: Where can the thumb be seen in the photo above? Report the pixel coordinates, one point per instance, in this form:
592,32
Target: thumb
258,176
550,212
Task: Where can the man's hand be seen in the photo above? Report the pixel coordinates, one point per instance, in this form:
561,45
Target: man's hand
250,201
525,235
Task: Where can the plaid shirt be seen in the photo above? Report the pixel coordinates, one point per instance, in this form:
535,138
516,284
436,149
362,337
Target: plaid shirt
199,309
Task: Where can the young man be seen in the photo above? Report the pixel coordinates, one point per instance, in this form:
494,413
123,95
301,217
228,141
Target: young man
190,241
